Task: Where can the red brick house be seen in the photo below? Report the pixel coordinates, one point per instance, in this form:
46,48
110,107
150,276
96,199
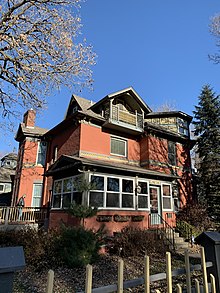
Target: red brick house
134,162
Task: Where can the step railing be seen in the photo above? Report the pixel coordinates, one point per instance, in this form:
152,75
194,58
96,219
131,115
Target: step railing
163,229
15,215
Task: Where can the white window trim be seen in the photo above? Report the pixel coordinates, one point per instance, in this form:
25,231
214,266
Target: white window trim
120,191
143,194
32,200
62,193
171,198
119,139
2,184
38,147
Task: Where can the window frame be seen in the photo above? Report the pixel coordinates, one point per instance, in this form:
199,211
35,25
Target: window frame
165,196
62,193
3,188
144,194
172,156
39,152
41,196
115,138
105,191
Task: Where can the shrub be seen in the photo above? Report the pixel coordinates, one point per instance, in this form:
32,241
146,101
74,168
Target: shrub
196,215
136,242
78,247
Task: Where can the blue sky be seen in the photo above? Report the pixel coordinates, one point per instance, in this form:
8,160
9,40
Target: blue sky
159,47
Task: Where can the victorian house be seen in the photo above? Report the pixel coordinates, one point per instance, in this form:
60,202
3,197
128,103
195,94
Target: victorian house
118,155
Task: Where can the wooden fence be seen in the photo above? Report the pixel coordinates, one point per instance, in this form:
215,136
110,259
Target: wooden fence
10,215
147,280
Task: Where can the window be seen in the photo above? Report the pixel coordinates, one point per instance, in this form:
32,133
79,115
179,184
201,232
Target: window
37,194
118,147
171,153
41,155
65,192
55,151
2,187
183,127
143,195
111,192
166,195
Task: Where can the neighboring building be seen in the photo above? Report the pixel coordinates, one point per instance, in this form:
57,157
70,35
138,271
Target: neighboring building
7,173
115,154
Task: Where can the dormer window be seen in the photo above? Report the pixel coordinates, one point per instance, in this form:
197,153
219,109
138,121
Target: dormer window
183,127
75,109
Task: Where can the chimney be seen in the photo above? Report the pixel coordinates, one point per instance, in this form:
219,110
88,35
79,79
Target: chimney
29,118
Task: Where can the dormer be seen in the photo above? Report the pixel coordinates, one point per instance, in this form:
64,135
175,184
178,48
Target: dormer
175,121
123,111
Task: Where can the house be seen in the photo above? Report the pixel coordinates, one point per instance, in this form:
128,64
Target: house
7,173
116,154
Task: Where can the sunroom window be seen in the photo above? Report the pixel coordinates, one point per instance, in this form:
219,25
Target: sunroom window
111,192
143,195
65,192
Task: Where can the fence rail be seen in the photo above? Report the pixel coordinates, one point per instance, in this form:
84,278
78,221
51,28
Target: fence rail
147,280
14,215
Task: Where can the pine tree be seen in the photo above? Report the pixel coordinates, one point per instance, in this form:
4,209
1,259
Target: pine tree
207,128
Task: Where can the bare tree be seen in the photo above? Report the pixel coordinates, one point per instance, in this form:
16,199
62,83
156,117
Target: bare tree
40,49
215,31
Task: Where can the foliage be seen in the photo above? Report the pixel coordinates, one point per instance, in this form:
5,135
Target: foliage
207,128
136,242
40,50
39,246
82,211
196,215
78,246
215,31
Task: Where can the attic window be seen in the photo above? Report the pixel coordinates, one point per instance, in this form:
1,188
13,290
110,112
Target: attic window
75,109
183,126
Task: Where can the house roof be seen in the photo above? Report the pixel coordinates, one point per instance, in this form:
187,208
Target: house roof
169,114
11,156
59,166
129,91
29,131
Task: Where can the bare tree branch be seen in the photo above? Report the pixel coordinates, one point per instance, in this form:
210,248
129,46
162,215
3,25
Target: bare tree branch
40,50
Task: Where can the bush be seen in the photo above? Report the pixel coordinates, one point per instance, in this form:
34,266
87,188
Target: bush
196,215
39,246
136,242
78,247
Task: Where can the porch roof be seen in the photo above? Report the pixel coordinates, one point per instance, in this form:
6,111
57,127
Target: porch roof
67,162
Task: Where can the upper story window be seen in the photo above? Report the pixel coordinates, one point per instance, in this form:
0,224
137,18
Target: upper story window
171,153
118,147
2,187
41,153
55,153
183,126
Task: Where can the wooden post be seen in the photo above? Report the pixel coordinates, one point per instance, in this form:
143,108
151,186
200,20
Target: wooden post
88,287
50,279
7,216
204,272
120,275
157,291
179,288
146,274
197,286
188,276
168,272
213,286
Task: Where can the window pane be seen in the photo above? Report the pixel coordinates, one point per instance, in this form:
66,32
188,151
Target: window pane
113,184
56,201
143,185
77,197
42,153
97,182
142,202
67,184
66,200
171,153
166,190
37,193
112,200
118,147
166,202
57,186
127,200
96,199
127,186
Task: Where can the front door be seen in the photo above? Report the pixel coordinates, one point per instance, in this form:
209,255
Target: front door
155,205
